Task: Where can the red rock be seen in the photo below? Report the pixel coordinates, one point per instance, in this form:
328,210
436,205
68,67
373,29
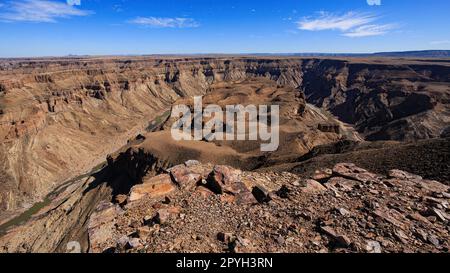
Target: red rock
222,178
242,194
393,217
158,186
245,198
351,171
184,177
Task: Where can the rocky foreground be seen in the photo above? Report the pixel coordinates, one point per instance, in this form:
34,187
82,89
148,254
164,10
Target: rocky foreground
205,208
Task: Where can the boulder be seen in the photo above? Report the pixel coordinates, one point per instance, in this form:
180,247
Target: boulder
245,198
222,178
156,187
184,177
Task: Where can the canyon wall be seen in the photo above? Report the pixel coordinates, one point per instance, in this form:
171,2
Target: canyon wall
59,118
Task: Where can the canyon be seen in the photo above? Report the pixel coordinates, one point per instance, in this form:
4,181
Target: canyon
84,132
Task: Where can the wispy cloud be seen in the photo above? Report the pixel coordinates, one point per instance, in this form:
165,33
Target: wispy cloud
39,11
351,24
164,22
369,30
329,21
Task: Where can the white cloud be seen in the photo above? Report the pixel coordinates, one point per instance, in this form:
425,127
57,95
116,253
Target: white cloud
374,2
39,11
351,24
328,21
74,2
162,22
369,30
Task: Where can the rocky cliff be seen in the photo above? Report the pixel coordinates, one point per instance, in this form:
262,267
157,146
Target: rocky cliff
60,117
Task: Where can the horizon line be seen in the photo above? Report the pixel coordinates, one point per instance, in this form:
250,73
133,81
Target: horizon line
284,54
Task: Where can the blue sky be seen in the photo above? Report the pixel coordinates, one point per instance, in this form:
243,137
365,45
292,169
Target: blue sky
101,27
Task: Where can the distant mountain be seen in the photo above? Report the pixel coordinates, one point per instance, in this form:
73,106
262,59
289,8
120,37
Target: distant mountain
404,54
419,54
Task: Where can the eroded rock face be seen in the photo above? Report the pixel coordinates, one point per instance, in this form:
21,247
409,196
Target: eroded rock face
71,113
101,226
368,96
376,214
70,105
